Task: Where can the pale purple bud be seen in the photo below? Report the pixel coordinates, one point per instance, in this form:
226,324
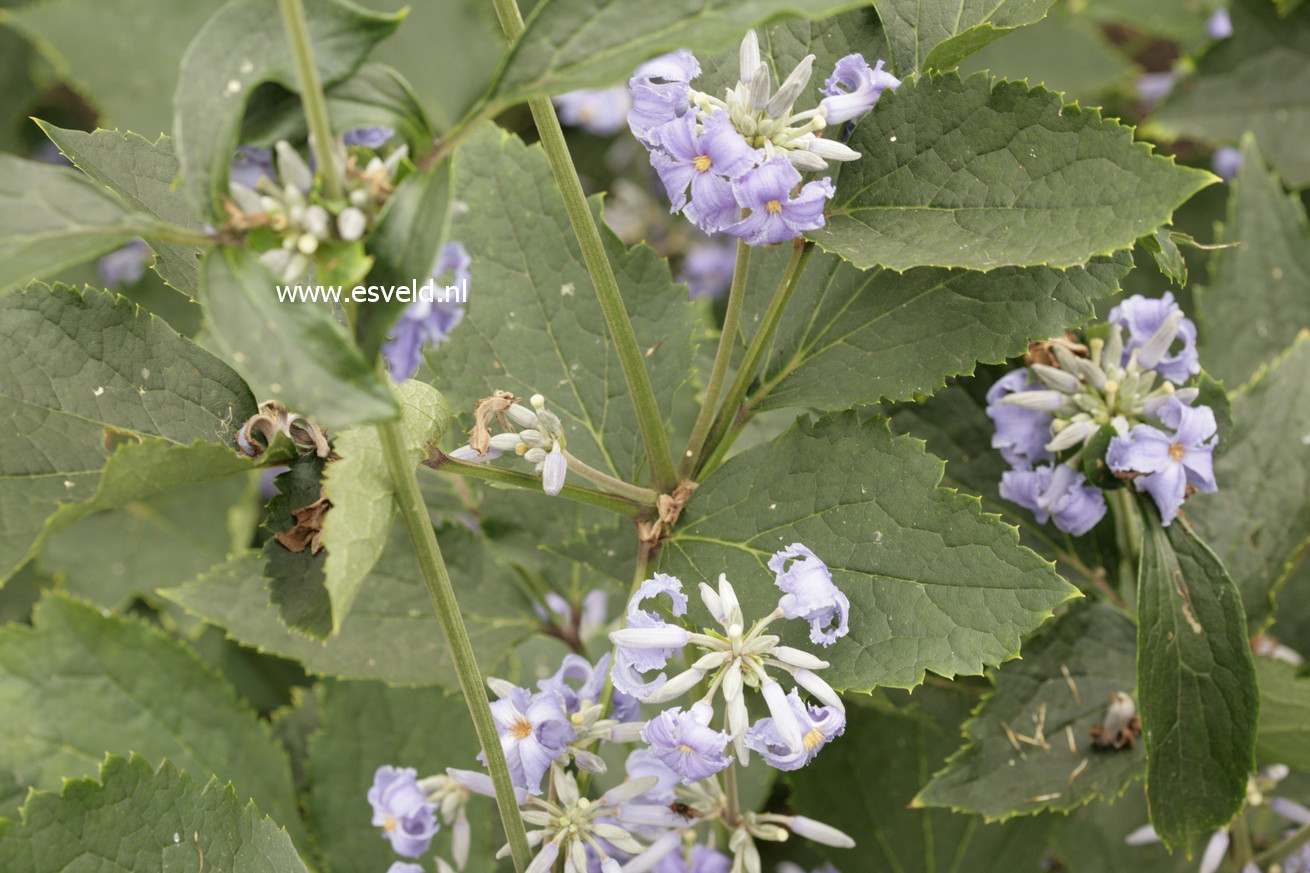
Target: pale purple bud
820,832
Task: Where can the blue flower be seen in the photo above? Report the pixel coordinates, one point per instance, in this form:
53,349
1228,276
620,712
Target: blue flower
1219,25
776,216
1056,492
703,860
124,266
534,730
402,810
647,641
602,112
1225,162
1154,87
661,92
809,594
591,684
1168,464
368,137
250,164
686,743
427,322
1021,434
818,725
707,269
1143,317
707,161
853,89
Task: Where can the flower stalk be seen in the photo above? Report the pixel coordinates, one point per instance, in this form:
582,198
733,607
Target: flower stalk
620,504
311,94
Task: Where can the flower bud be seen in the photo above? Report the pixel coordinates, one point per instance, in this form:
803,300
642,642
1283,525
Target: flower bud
820,832
791,88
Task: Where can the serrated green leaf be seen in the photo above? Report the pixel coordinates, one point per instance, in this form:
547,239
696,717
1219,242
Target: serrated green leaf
1256,80
242,47
533,323
291,350
1049,700
937,34
573,44
151,696
934,583
363,499
852,337
1284,733
1257,301
147,821
1196,681
78,368
366,725
144,174
970,173
392,634
1167,256
1260,517
296,579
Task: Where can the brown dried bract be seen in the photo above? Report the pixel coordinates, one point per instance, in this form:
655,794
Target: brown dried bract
670,507
308,530
1039,351
489,409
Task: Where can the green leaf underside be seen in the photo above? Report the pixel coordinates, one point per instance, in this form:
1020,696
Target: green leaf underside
1257,301
1197,686
151,696
573,44
293,351
533,323
1284,734
391,634
934,583
1260,517
239,48
78,366
359,487
851,337
364,726
863,782
970,173
1257,80
1097,644
938,34
144,174
147,821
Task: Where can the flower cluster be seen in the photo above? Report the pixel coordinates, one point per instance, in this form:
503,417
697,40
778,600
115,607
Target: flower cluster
1127,377
539,441
718,157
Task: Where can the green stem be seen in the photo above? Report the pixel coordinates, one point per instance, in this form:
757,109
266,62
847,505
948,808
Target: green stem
1241,832
722,357
614,503
180,235
415,513
732,812
311,94
635,493
649,420
444,145
1279,851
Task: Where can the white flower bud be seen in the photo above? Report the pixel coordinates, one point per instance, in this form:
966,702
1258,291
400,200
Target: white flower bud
1065,383
468,453
732,682
784,720
820,689
316,220
759,88
711,600
675,687
589,762
791,88
1074,434
1150,354
665,637
505,442
291,167
625,791
627,732
521,415
728,597
500,687
658,851
245,199
1043,401
820,832
351,223
806,161
798,658
749,55
833,150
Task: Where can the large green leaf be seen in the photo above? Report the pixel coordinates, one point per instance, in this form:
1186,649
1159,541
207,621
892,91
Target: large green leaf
145,821
938,34
852,337
863,783
1284,734
572,44
296,579
144,174
78,685
392,634
1052,697
364,726
290,350
359,487
1197,686
1256,80
244,46
1260,517
934,583
970,173
77,371
533,323
1093,840
1257,300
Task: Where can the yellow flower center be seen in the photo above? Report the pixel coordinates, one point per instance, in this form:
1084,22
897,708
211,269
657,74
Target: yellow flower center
686,749
390,824
774,207
703,162
813,740
521,729
1176,451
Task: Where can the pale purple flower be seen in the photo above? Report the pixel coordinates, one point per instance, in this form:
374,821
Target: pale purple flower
776,216
630,662
708,269
405,867
590,685
1219,25
368,137
1142,317
853,88
661,92
645,762
1226,161
1169,463
708,162
534,730
1154,87
809,593
703,860
124,266
402,810
250,164
428,322
1021,434
686,743
602,112
1058,493
818,725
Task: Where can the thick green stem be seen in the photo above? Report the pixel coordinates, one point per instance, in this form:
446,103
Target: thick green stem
636,493
614,503
722,357
311,94
633,363
1241,832
433,567
732,812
